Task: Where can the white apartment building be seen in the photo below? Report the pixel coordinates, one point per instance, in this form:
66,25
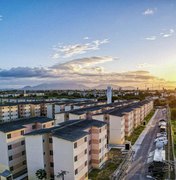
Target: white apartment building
12,147
74,146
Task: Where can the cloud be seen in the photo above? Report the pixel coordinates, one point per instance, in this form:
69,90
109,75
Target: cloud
86,38
1,17
165,34
86,71
66,51
144,65
24,72
168,34
151,38
148,12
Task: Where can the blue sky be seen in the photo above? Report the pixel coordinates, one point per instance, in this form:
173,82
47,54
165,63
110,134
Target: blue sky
130,37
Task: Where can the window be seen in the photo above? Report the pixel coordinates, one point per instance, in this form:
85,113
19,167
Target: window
90,142
33,126
9,178
11,168
99,140
100,160
76,171
24,162
9,147
51,153
100,151
90,162
51,164
44,126
75,145
52,123
8,136
50,140
52,176
85,151
90,152
10,158
43,153
43,140
22,132
75,158
23,152
85,139
23,142
85,163
100,130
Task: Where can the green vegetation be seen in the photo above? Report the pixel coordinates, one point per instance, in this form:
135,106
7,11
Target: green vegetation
173,126
137,131
115,158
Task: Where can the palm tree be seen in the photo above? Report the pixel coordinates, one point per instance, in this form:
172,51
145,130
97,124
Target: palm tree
61,174
41,174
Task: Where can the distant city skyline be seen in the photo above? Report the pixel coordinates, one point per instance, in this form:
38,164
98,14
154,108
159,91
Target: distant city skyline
91,43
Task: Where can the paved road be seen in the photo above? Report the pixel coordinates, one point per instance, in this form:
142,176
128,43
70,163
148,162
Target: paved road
143,146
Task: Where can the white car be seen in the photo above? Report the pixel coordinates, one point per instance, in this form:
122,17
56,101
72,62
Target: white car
161,139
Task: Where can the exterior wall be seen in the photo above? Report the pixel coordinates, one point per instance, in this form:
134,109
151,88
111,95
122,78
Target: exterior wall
8,113
35,110
4,163
59,118
17,153
98,117
50,113
129,123
24,110
68,108
63,152
74,116
136,117
57,108
98,147
35,159
116,130
81,152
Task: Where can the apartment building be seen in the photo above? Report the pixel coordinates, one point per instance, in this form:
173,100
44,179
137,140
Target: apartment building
12,148
88,112
8,112
75,146
24,110
121,122
35,110
55,108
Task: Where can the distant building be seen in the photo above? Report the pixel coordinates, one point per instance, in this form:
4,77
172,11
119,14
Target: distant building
109,95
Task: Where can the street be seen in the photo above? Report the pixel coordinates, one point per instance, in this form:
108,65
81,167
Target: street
138,168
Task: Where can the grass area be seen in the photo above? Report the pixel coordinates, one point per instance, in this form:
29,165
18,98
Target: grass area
115,158
137,131
173,127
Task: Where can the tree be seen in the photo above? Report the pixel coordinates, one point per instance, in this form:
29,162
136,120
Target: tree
61,174
41,174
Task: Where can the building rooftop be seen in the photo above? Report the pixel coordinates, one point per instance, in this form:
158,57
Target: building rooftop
20,124
71,130
120,111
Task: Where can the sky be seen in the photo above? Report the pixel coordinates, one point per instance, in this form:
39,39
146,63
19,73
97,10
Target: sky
88,42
